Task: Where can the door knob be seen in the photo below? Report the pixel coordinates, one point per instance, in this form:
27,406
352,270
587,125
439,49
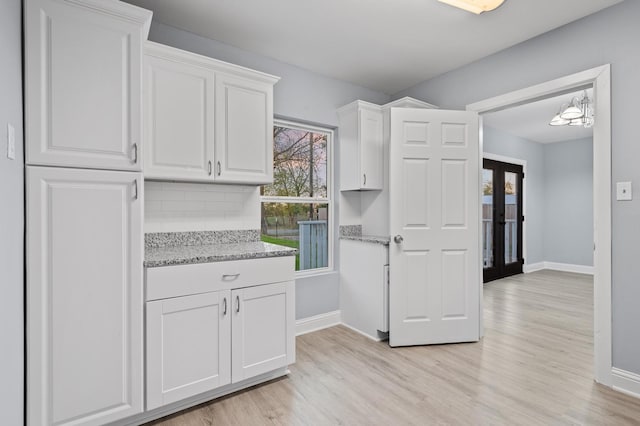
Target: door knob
398,239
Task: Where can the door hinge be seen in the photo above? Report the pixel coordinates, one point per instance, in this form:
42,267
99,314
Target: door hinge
522,261
523,218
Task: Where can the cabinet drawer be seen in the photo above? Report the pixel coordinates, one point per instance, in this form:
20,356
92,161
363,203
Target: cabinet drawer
183,280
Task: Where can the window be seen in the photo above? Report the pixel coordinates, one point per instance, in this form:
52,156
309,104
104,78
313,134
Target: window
297,208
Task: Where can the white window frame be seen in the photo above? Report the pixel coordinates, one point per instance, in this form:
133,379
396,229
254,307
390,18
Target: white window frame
329,200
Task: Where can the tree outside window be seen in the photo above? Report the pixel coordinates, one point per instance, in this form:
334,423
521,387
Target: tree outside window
295,208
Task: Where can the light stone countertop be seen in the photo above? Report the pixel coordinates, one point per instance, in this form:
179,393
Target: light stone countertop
354,233
374,239
188,254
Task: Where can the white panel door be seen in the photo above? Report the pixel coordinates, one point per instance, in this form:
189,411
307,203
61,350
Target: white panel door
83,83
188,346
84,296
179,102
263,337
435,273
244,130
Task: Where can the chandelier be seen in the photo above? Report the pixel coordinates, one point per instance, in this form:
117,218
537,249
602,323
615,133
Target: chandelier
577,112
474,6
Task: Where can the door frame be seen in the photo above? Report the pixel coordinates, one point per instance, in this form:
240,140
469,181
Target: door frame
600,79
523,163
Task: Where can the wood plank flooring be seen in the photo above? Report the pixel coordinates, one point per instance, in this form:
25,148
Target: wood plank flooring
533,367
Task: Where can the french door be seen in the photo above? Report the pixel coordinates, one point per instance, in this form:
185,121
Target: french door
501,219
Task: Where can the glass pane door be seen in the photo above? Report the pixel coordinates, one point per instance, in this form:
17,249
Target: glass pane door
501,219
510,217
487,218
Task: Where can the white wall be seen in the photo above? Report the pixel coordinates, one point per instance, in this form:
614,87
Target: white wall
568,196
610,36
177,207
300,95
11,218
559,196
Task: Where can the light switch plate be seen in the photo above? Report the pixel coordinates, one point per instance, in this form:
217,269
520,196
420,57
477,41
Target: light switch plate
11,142
623,191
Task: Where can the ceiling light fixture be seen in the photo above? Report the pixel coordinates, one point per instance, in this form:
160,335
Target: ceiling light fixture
474,6
578,112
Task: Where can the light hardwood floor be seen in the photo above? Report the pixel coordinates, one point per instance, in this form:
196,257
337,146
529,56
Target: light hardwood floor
533,367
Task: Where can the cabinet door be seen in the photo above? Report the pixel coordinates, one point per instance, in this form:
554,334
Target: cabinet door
371,149
188,346
263,329
178,119
84,296
83,83
244,130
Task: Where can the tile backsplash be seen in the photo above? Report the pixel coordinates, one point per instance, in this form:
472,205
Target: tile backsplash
179,207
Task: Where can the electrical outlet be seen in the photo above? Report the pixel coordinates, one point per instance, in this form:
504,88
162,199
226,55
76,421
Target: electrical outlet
11,142
623,191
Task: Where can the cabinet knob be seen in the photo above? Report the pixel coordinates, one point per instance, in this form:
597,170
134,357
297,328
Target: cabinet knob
219,168
210,168
398,239
135,189
237,304
364,182
134,150
224,306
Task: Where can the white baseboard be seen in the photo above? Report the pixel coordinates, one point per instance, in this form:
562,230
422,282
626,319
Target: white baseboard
554,266
375,339
533,267
317,322
566,267
625,382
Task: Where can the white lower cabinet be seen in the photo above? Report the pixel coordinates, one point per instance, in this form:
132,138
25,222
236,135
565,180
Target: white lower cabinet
217,324
364,287
263,337
188,342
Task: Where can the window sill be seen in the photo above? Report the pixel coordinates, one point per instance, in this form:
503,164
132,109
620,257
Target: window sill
315,273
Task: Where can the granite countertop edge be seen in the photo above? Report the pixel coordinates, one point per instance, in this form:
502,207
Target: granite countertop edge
374,239
186,255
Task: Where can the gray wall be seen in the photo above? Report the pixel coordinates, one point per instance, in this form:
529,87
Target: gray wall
610,36
11,218
559,194
502,143
300,95
568,202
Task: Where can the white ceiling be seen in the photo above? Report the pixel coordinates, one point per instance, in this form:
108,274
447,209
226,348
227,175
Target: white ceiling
531,121
386,45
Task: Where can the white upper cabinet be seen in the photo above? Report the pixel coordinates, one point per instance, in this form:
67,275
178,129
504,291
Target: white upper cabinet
178,115
206,120
84,296
244,130
361,147
83,72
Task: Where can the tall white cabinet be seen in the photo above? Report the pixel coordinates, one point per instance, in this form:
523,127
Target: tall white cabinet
83,106
84,295
203,117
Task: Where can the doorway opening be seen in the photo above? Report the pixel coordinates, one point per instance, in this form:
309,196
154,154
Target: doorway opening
600,79
502,217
